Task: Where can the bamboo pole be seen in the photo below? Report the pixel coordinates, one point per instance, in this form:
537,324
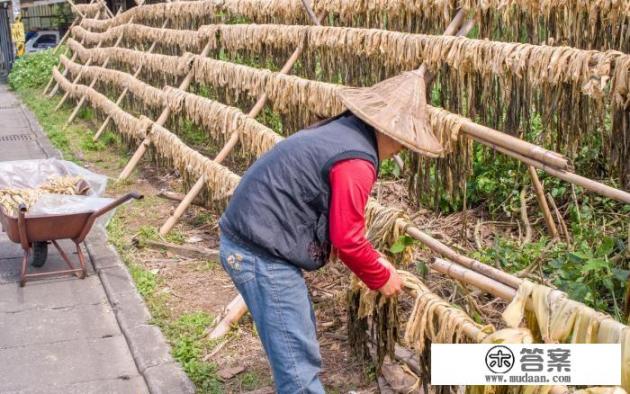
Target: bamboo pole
465,261
233,313
570,177
498,139
75,9
230,144
471,277
542,202
75,80
160,122
183,205
63,40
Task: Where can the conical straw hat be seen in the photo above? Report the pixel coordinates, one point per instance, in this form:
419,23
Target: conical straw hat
394,108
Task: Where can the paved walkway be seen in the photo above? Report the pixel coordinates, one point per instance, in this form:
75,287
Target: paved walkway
65,335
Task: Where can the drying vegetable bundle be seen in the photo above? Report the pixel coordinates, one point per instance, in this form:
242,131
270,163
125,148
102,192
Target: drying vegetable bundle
221,121
597,24
146,93
136,34
385,226
556,318
172,152
592,24
394,52
98,24
159,64
181,14
436,320
130,126
88,10
301,101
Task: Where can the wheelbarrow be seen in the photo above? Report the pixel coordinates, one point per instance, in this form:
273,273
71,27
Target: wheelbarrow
38,230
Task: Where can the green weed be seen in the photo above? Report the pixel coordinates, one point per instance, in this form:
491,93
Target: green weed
190,344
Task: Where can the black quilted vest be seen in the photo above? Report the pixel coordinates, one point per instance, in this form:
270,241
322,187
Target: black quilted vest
280,207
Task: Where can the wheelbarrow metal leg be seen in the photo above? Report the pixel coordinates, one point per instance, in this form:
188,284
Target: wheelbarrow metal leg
65,258
23,272
81,261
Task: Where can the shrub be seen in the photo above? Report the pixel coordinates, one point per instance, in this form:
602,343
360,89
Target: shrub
32,70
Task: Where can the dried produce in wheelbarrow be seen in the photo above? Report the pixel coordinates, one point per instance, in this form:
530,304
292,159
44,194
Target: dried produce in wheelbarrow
11,198
70,185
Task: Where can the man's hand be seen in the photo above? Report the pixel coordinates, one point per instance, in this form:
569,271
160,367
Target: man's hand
393,286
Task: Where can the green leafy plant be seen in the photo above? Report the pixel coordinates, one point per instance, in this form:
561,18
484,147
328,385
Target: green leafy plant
32,70
401,243
389,169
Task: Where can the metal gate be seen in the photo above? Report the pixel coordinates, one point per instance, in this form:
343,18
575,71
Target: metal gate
6,46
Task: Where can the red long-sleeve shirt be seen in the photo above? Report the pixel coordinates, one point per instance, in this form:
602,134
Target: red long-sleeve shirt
351,182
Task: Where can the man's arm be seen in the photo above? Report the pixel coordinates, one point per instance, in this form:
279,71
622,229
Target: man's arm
351,182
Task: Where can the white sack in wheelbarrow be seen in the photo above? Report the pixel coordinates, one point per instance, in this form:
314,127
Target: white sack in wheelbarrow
59,204
29,174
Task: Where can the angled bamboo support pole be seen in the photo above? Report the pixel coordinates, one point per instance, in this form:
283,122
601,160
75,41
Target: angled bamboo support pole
75,9
229,145
166,112
75,80
122,95
66,35
542,202
106,7
238,304
494,138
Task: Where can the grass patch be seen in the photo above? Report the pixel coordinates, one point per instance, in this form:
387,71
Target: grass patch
188,337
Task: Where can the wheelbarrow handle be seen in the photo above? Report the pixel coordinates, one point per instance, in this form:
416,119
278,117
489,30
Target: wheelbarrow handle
105,209
117,202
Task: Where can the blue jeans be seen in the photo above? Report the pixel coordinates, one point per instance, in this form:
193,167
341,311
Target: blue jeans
278,300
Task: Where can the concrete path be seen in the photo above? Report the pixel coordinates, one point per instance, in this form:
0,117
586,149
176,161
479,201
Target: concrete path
66,335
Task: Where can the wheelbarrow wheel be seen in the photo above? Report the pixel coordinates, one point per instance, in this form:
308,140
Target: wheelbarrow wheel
40,254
